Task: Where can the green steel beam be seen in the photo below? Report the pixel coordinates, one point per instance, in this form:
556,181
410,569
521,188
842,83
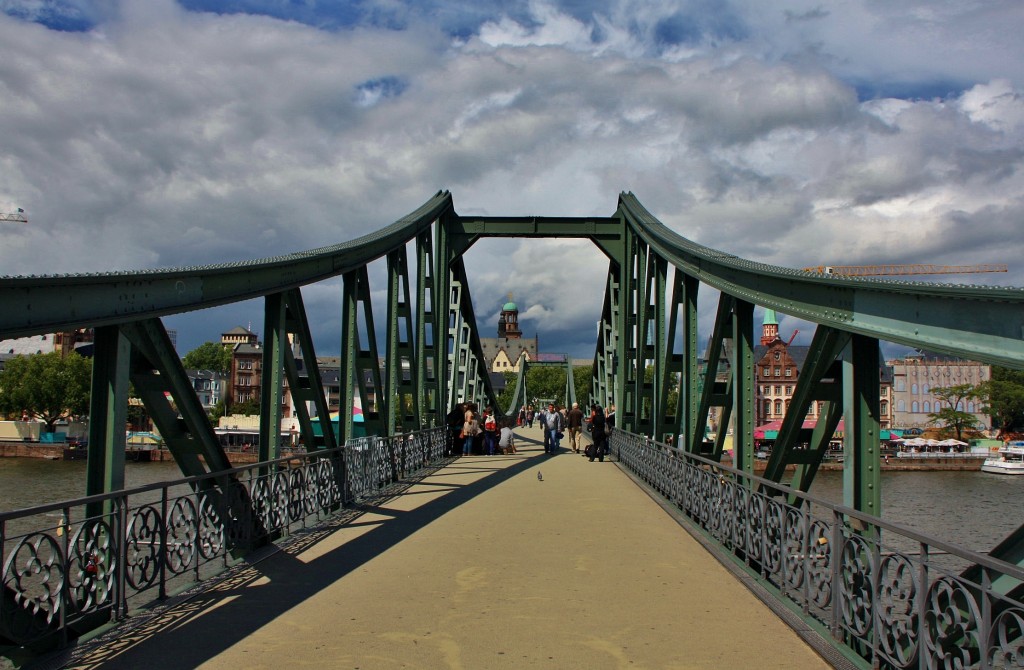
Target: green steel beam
862,432
714,393
107,412
306,388
743,386
976,322
426,334
275,341
819,380
360,368
37,305
164,388
402,386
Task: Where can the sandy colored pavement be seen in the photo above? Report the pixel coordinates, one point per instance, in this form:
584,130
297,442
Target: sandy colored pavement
482,565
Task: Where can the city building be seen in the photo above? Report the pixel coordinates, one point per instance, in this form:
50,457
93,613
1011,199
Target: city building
503,353
915,378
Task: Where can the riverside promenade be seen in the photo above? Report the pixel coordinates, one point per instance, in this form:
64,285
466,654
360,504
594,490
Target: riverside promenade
517,561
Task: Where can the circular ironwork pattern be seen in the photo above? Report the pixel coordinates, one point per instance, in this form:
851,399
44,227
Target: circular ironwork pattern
793,548
774,516
34,577
182,535
296,488
856,593
1006,643
142,547
951,625
897,610
819,564
90,568
212,536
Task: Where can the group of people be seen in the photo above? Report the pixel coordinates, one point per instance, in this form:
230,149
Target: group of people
476,433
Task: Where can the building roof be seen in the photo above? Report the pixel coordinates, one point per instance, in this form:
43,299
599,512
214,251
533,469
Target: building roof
238,330
769,318
509,307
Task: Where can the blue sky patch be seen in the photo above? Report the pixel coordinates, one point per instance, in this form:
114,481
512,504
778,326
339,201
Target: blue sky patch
371,92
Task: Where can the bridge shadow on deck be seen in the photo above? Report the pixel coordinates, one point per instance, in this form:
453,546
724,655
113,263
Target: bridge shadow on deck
224,611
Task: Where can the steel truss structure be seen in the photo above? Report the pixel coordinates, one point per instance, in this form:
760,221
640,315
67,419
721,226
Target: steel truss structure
647,343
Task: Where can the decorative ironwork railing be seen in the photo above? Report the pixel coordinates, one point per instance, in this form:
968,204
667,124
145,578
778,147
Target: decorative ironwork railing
64,568
885,594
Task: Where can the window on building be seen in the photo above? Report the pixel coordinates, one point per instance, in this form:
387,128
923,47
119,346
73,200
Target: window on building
767,407
884,407
914,407
789,372
901,406
778,390
778,407
789,390
927,407
924,389
970,407
778,371
901,386
913,389
766,371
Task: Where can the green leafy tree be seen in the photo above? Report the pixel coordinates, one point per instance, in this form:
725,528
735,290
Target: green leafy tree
546,382
247,408
208,356
582,376
1003,396
46,386
950,416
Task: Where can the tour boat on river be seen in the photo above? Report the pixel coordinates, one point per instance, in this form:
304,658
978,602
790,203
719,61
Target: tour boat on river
1010,460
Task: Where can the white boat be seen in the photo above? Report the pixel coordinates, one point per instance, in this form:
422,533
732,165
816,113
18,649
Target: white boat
1010,460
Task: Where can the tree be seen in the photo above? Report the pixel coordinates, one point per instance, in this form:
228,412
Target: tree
951,416
247,408
1003,396
46,386
208,356
582,377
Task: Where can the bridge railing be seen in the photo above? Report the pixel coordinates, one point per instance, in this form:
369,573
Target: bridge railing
65,568
887,595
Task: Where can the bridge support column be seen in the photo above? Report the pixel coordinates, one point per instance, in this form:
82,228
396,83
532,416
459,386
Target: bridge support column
743,386
275,340
108,414
861,438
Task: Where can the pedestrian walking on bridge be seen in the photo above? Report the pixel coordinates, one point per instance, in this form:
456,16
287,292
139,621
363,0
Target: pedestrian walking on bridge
574,425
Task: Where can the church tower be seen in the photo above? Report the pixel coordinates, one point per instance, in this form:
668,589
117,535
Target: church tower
508,322
769,327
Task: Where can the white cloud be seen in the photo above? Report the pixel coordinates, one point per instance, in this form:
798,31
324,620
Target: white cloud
166,137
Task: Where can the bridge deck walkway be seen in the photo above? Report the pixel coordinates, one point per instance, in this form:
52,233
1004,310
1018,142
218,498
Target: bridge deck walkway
480,564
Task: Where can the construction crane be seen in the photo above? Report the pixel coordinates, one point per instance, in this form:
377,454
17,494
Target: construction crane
895,270
18,217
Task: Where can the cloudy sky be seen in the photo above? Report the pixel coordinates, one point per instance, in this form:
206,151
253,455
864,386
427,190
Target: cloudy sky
161,133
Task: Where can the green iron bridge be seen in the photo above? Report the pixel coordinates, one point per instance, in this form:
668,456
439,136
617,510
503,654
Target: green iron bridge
433,360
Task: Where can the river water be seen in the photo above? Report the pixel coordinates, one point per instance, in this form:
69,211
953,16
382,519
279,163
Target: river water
971,509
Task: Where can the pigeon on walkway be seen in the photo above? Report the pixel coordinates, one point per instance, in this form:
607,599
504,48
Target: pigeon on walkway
540,477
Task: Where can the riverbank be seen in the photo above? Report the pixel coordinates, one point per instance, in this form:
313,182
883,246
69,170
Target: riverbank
56,452
66,452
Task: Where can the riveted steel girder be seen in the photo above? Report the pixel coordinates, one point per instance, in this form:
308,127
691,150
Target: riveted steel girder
108,413
62,303
979,323
360,369
402,386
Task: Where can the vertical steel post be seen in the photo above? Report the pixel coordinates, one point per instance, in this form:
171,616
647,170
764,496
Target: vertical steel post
108,414
861,439
743,386
428,411
272,382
